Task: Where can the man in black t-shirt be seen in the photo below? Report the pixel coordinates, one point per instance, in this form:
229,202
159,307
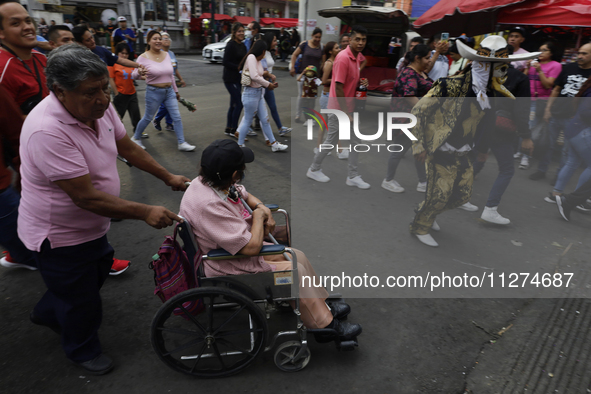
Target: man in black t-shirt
559,108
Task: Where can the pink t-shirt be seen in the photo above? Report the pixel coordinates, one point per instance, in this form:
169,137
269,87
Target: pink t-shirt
158,72
218,222
551,70
345,70
56,146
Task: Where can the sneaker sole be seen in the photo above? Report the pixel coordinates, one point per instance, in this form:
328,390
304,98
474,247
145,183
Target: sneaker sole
115,273
561,209
355,185
548,199
9,265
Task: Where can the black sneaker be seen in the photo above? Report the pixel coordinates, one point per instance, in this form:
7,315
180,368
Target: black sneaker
551,198
584,207
99,365
536,176
563,207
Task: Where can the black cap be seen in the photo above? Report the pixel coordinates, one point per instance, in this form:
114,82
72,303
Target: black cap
519,30
223,157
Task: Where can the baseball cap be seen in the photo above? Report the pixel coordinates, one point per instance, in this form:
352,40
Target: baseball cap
519,30
224,156
121,19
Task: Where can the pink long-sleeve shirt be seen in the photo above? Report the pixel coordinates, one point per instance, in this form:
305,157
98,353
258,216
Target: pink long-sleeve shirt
158,72
255,68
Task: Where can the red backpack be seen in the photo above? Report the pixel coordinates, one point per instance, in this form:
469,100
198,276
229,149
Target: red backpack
173,274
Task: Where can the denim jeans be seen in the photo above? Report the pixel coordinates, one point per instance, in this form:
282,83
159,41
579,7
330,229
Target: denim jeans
163,113
9,201
504,154
154,97
579,151
253,102
270,99
554,127
235,105
324,100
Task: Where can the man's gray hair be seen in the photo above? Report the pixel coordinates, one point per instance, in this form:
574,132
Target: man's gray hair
69,65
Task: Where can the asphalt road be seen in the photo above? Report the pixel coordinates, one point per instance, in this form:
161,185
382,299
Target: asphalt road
415,342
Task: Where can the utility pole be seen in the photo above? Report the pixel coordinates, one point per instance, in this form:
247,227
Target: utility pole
212,23
139,18
304,37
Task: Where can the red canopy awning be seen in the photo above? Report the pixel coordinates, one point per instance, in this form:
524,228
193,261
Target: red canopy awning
575,13
218,17
280,22
245,20
456,17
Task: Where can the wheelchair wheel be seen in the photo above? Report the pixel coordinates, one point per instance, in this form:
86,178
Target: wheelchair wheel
220,337
285,357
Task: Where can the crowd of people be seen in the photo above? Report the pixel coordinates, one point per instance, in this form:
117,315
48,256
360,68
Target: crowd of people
69,136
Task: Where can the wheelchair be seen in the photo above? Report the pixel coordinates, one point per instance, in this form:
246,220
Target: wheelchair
220,327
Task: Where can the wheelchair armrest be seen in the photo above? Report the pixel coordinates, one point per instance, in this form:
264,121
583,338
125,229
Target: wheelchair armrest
266,250
272,207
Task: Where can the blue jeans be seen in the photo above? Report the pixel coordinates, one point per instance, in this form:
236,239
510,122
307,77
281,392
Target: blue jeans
554,127
9,201
324,100
270,99
504,154
252,99
235,105
154,97
579,150
162,112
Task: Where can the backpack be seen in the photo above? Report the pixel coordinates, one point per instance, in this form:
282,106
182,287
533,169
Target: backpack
173,274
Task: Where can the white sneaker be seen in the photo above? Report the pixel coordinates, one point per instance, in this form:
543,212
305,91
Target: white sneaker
427,239
277,147
7,264
491,215
468,207
138,142
524,165
318,176
251,132
435,226
422,187
392,186
186,147
357,181
344,154
517,155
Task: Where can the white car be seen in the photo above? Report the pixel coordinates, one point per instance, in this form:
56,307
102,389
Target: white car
215,52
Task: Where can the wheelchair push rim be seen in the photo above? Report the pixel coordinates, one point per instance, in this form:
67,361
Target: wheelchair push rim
209,332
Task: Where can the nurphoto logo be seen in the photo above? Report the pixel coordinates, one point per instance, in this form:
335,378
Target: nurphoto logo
345,128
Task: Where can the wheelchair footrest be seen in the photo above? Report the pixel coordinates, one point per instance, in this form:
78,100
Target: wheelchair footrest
348,345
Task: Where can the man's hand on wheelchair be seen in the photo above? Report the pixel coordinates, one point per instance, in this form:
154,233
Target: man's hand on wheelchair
177,182
160,217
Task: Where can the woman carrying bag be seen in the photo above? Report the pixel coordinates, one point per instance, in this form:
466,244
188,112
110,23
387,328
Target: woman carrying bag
253,80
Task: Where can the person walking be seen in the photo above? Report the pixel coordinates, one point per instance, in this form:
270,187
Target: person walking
268,62
125,96
311,51
412,84
162,112
559,107
161,89
446,131
233,55
578,134
123,33
344,83
542,74
252,95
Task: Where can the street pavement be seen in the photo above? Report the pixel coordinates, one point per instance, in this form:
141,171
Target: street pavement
484,340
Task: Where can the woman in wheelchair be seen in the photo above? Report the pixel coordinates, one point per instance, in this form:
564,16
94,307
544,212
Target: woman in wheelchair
220,220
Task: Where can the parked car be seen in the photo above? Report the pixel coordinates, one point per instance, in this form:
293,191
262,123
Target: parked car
384,25
215,52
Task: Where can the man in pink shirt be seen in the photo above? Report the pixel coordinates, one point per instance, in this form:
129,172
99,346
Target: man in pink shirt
70,190
345,80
